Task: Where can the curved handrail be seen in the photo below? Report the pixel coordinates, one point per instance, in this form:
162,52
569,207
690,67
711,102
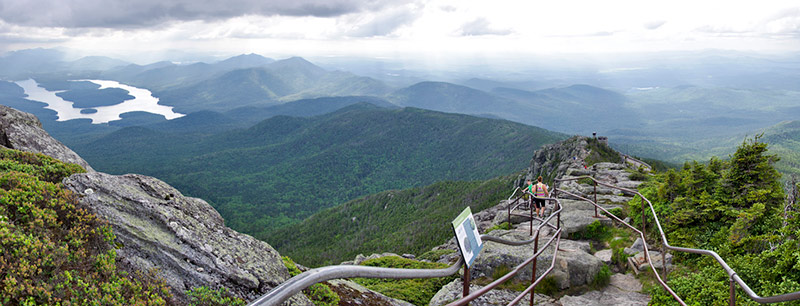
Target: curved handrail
557,236
513,193
296,284
646,250
731,273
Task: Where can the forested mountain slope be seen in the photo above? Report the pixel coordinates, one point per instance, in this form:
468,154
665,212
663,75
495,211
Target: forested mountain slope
284,169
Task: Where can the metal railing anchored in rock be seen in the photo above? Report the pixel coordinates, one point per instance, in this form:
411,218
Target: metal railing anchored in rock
296,284
733,276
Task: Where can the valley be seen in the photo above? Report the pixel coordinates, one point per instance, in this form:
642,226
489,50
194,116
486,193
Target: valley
260,134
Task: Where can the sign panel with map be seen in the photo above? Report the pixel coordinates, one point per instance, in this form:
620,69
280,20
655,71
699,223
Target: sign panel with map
469,241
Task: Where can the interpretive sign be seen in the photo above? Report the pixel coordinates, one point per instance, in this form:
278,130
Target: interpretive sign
469,241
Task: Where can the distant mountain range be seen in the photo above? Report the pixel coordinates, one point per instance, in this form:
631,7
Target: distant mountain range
685,108
284,169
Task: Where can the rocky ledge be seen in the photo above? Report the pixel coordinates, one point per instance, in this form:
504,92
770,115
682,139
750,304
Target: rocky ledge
182,239
23,131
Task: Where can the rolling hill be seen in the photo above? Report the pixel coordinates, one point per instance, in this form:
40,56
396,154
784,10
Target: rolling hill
404,221
284,169
784,140
275,83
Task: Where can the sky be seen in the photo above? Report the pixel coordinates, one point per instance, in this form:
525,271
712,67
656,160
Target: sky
142,30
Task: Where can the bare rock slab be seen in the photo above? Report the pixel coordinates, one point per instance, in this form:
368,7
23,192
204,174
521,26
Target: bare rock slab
23,131
454,290
182,238
623,289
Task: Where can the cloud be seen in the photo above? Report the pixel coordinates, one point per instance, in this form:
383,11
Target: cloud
146,13
481,26
655,24
384,24
784,23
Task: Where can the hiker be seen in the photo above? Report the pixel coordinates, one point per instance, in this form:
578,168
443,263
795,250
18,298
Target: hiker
540,191
529,188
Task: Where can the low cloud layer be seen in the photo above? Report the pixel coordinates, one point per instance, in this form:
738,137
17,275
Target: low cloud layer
145,13
481,26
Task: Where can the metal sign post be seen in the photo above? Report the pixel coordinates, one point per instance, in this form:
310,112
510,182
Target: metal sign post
469,242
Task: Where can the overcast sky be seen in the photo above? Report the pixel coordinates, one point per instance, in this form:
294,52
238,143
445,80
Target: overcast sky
399,28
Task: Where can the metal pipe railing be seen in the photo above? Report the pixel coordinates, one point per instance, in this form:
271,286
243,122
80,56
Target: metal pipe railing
557,237
733,276
296,284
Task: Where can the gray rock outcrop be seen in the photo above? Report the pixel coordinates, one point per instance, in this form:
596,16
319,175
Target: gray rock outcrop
454,290
574,266
553,160
183,239
351,293
23,131
623,289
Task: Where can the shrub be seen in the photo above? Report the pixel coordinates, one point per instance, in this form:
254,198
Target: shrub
586,181
548,286
55,252
416,291
595,231
319,293
619,257
602,278
434,255
501,226
638,175
203,296
616,211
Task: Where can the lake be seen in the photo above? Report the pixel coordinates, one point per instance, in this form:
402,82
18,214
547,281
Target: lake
143,101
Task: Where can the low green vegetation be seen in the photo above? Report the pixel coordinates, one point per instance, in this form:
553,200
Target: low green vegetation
319,293
400,221
736,208
600,152
501,226
204,296
55,252
619,258
434,255
415,291
548,286
602,278
616,211
595,231
586,181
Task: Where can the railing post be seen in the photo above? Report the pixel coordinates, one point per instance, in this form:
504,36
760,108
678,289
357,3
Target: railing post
466,280
664,258
509,210
533,274
531,206
595,199
733,293
558,216
644,225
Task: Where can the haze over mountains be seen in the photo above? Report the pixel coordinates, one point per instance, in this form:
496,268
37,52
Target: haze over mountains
260,135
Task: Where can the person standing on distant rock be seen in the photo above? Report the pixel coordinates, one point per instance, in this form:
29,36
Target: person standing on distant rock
540,191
